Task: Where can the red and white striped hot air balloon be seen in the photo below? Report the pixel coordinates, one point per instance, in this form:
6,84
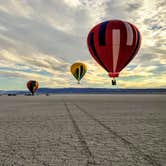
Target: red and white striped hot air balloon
113,44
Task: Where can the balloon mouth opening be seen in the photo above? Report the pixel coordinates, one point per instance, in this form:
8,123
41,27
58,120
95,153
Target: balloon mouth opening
113,75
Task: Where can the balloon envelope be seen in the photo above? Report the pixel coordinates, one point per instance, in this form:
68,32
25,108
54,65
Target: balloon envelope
78,70
113,44
32,85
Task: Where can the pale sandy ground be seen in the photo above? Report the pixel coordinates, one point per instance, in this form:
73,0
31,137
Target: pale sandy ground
81,130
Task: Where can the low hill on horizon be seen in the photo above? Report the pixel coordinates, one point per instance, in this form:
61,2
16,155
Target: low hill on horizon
88,91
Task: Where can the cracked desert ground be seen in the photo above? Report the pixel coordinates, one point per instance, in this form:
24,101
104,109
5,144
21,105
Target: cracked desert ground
83,130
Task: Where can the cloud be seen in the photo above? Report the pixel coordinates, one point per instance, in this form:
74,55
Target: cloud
151,82
45,68
41,39
137,76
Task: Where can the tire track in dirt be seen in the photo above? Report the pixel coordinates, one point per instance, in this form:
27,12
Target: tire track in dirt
130,145
85,147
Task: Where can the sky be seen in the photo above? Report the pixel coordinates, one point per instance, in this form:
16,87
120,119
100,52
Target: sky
40,39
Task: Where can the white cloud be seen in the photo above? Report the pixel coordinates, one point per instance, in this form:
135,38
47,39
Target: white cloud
150,82
16,7
73,3
33,68
48,36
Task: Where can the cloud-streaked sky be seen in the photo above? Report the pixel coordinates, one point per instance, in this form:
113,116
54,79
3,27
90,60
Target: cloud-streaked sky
40,39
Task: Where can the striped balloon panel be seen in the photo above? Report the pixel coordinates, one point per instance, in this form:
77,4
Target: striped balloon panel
113,44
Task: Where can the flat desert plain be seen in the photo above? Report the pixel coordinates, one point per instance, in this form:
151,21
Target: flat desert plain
83,130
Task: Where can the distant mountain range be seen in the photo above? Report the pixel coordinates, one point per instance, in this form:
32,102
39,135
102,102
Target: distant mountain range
89,91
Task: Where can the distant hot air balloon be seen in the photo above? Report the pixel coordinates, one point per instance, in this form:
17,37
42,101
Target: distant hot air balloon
32,86
78,70
113,44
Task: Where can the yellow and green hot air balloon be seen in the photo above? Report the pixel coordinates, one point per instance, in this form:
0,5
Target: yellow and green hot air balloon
78,70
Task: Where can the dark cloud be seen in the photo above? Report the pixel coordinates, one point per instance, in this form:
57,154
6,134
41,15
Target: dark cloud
133,6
